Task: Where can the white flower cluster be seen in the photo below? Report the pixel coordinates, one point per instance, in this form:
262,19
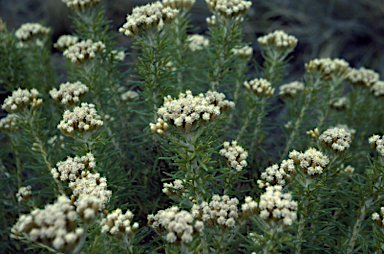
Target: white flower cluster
197,42
260,87
83,119
8,123
236,155
118,55
54,226
69,93
377,218
328,67
24,193
118,224
88,207
77,5
229,8
160,127
20,99
92,185
311,162
179,4
71,168
249,208
178,185
338,139
340,104
377,144
221,211
291,89
176,224
313,133
244,52
147,17
275,175
279,40
188,109
65,41
29,30
129,96
275,205
211,21
378,88
81,51
363,76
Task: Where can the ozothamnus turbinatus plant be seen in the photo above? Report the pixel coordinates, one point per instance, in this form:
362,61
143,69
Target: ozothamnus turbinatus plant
175,151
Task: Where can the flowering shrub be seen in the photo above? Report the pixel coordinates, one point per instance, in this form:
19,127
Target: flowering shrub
177,152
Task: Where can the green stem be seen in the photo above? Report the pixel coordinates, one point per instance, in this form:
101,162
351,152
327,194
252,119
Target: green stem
247,120
258,125
308,99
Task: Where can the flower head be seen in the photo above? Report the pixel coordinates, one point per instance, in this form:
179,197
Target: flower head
278,40
197,42
260,87
328,68
21,99
77,5
146,17
338,139
236,155
65,41
229,8
83,119
312,162
291,89
55,226
28,31
363,76
175,225
69,93
277,206
82,51
118,224
185,111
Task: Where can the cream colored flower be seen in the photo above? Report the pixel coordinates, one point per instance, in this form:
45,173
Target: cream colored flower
363,76
21,99
291,89
175,225
229,8
119,224
236,155
278,40
312,162
179,4
152,15
197,42
65,41
82,51
338,139
9,123
24,193
244,52
277,206
185,111
28,31
69,94
83,119
55,226
328,68
260,87
80,5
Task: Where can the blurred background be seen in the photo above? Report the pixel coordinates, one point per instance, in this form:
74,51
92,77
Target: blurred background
349,29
